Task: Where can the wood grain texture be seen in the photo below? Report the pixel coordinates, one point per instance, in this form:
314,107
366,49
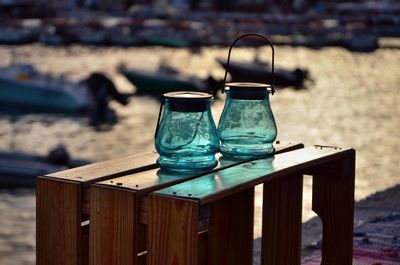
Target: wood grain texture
151,180
147,181
95,172
333,201
113,227
230,233
203,248
214,186
281,225
58,222
172,231
85,244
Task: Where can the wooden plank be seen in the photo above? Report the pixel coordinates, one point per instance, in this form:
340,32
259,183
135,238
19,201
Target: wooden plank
230,233
333,201
58,222
151,180
95,172
142,183
203,248
281,223
172,231
114,227
212,187
81,177
85,244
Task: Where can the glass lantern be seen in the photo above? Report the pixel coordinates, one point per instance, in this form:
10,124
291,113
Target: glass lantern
186,136
247,125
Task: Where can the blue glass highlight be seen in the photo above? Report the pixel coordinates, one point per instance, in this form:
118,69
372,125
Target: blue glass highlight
187,138
247,126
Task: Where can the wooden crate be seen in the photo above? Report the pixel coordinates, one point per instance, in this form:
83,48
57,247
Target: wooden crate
70,204
174,222
62,207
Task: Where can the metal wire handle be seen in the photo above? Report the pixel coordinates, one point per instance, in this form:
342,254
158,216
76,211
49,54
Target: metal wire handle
162,102
229,57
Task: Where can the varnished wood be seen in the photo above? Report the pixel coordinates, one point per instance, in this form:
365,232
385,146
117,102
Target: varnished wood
80,177
140,183
203,248
114,227
151,180
230,233
58,223
281,225
174,219
95,172
172,237
145,182
85,244
333,201
212,187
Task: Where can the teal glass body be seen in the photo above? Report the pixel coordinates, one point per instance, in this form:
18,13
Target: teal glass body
247,125
187,138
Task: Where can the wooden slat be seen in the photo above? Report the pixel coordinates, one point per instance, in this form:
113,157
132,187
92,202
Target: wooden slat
51,188
173,226
141,183
85,244
230,233
333,201
91,173
151,180
213,187
203,248
113,228
83,177
58,223
281,223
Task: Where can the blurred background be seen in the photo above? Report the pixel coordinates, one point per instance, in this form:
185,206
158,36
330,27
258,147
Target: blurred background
80,82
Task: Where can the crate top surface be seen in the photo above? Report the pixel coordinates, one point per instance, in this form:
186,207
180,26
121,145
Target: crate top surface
98,171
130,166
211,187
154,179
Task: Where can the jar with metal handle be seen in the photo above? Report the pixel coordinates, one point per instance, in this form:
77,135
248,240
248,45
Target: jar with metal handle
247,125
186,136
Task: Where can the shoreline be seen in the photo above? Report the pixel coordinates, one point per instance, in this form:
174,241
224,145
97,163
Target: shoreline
353,102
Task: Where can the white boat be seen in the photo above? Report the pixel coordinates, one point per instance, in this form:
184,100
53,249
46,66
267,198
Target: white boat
21,169
22,86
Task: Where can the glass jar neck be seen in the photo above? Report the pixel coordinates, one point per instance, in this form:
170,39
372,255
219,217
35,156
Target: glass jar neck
247,94
187,105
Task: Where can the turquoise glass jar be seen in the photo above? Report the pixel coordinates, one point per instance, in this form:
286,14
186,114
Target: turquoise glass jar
247,125
186,136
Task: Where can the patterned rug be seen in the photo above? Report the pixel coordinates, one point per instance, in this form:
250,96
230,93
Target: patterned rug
365,257
376,242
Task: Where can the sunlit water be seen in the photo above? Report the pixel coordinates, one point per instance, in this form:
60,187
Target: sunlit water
353,102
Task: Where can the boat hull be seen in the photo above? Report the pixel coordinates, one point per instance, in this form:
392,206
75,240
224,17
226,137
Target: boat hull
19,94
253,72
153,85
20,170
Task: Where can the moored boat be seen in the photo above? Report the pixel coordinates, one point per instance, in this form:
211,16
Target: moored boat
156,83
22,86
260,72
21,169
17,35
